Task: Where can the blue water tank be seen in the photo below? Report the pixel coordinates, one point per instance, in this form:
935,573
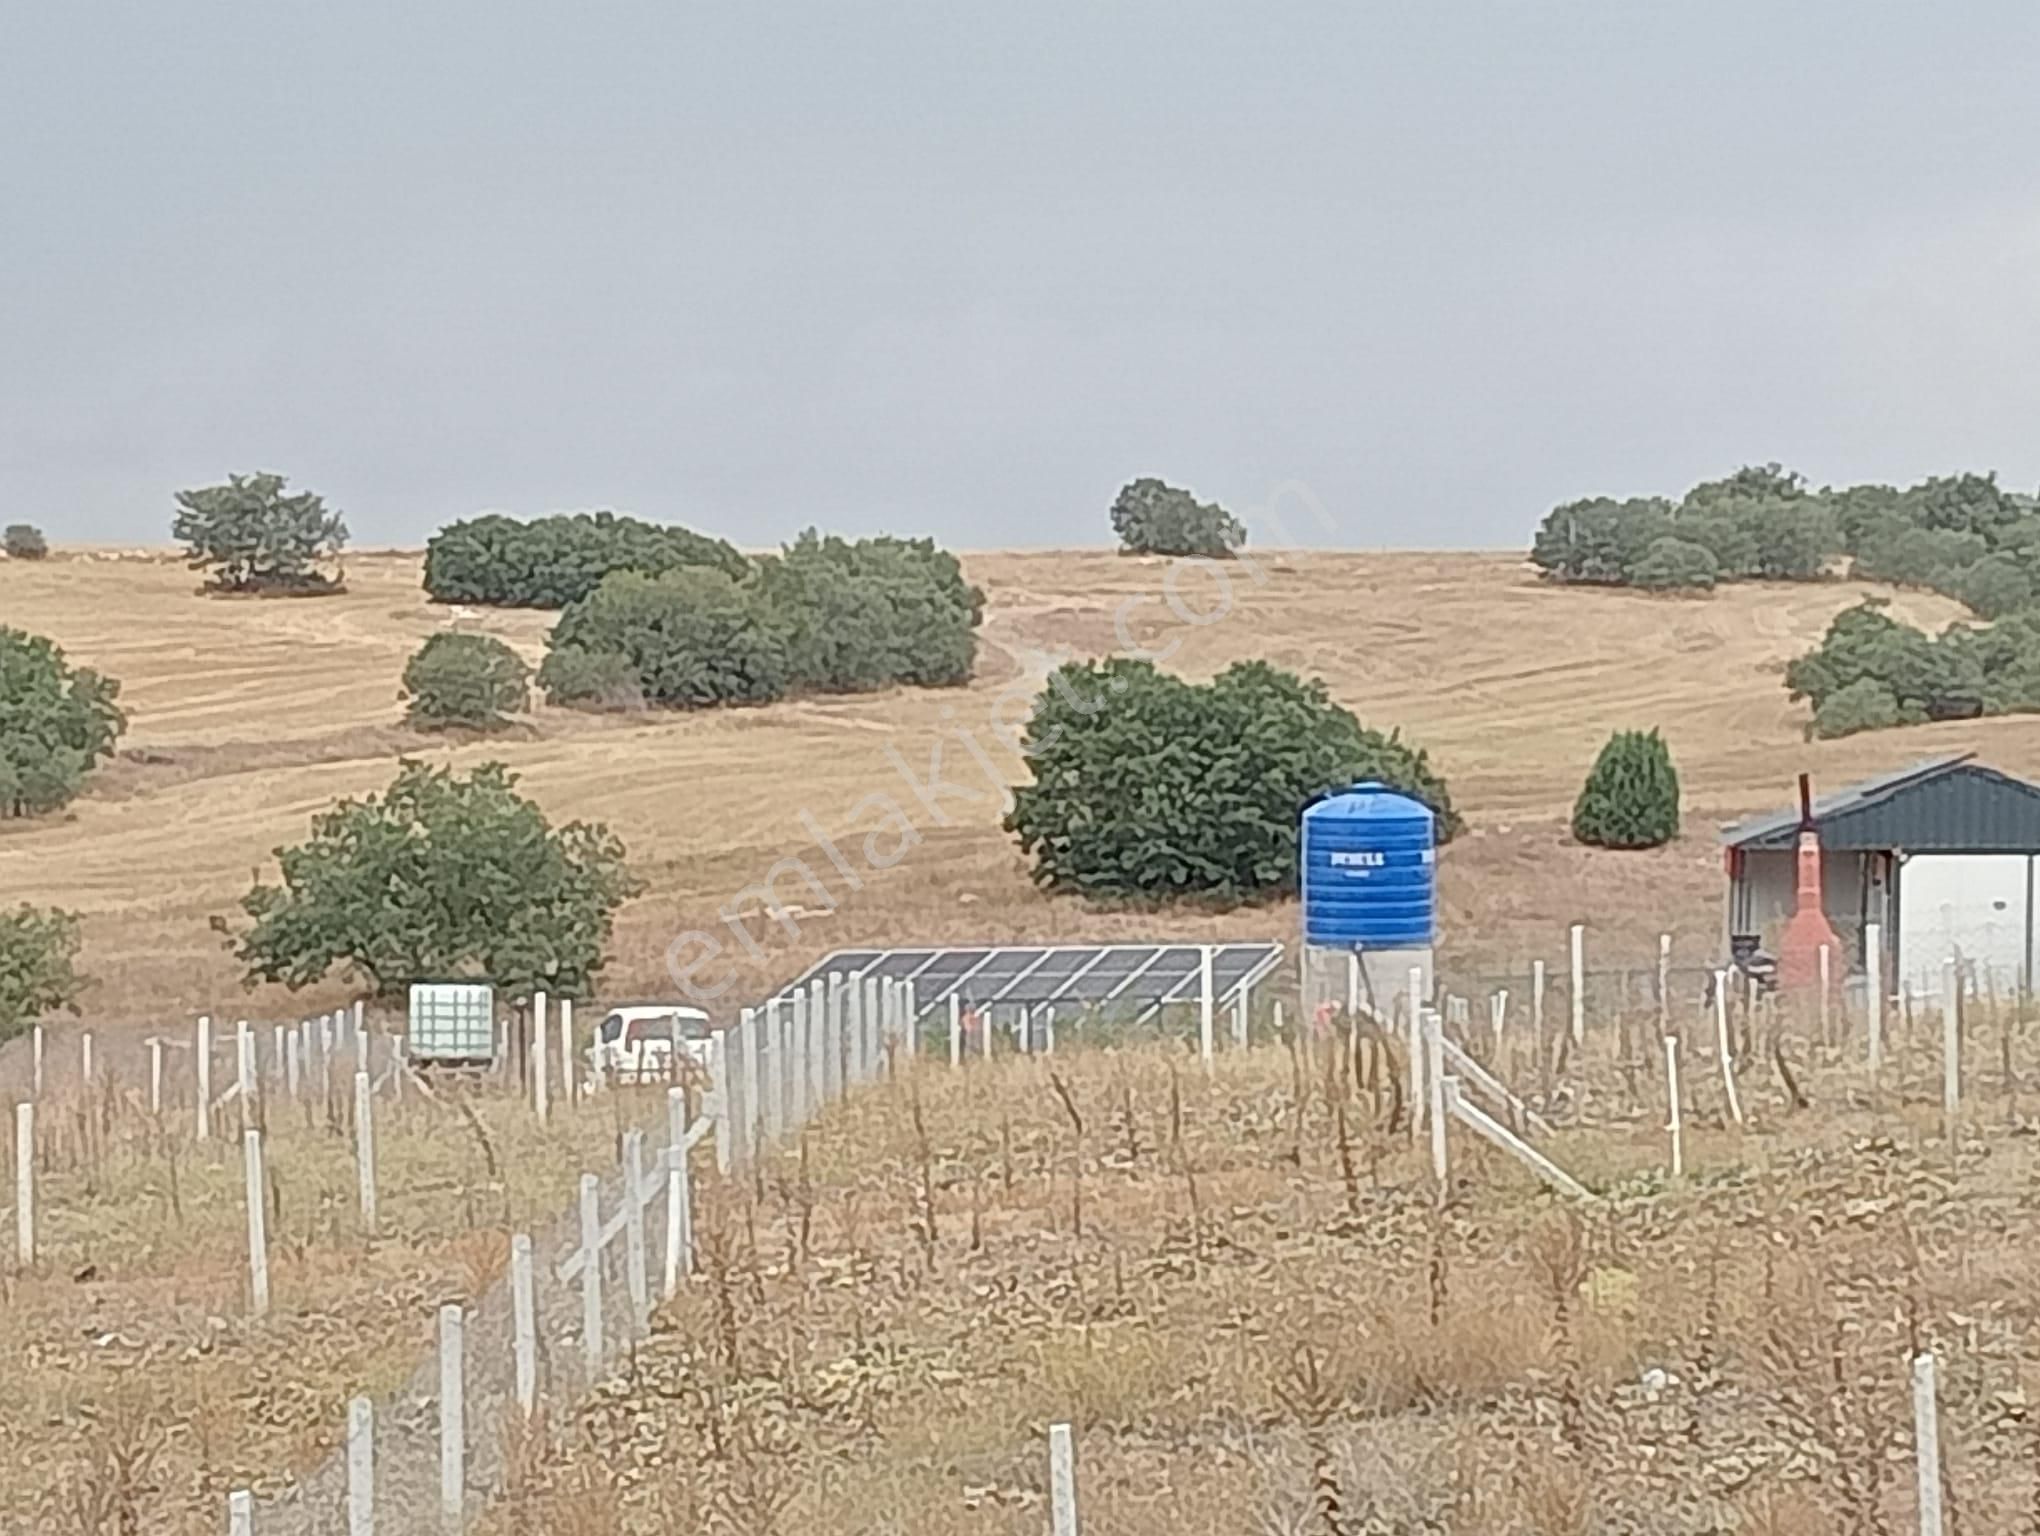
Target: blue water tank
1369,871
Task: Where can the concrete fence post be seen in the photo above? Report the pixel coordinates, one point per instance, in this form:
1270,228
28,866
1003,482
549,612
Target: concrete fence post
361,1468
258,1230
24,1183
1537,1004
636,1278
1434,1082
1673,1123
723,1108
36,1059
202,1062
1579,985
452,1420
772,1074
1062,1481
591,1276
155,1075
1205,1002
748,1097
1927,1443
679,1196
364,1149
1664,984
540,1090
524,1323
832,1041
1873,976
955,1030
293,1065
816,1093
240,1513
85,1058
567,1092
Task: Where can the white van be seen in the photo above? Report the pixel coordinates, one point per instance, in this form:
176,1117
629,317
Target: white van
634,1042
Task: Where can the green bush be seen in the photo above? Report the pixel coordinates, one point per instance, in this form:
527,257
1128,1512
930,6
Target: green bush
864,615
590,680
252,537
1152,517
550,562
1598,541
38,971
693,637
1864,705
24,541
1673,565
1631,799
1149,787
474,681
1995,586
440,878
56,722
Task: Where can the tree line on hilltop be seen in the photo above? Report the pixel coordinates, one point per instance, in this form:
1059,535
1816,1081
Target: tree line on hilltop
1962,536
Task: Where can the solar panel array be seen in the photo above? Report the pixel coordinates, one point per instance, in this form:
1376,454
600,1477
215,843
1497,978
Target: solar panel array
1115,975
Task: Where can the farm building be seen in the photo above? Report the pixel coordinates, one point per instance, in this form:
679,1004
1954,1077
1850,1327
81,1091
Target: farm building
1940,854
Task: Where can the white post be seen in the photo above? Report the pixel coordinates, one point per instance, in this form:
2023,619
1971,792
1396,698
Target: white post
539,1094
1664,983
240,1513
360,1017
36,1051
24,1183
566,1050
832,1040
524,1323
955,1030
874,1036
1537,1003
1419,1054
679,1197
1434,1080
1826,991
155,1075
361,1468
1951,1048
258,1234
1873,976
1721,1044
819,993
1205,952
452,1420
1062,1481
747,1051
771,1072
1579,985
244,1068
85,1058
635,1276
1673,1124
1927,1442
293,1064
719,1094
591,1276
1239,1020
276,1051
202,1059
910,1018
364,1148
1048,1027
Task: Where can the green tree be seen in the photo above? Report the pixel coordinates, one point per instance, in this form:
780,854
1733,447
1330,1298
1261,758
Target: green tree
1631,799
1996,585
1153,517
56,722
1962,503
1864,705
1150,787
693,637
1598,540
252,537
1674,565
38,970
24,541
550,562
440,878
866,614
591,681
474,681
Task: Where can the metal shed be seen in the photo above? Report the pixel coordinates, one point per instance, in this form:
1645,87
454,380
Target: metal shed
1940,854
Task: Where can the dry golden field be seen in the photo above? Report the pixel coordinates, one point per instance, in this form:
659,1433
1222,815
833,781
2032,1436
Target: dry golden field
249,716
1257,1323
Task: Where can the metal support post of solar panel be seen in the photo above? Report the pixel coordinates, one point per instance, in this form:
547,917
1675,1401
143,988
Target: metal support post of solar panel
1132,979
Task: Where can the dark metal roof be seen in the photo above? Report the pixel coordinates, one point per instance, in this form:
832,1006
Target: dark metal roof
1942,805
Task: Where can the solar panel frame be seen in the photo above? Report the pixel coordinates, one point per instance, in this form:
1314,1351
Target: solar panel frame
1145,975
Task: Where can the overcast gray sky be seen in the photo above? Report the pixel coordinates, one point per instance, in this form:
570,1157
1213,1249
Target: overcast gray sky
964,269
